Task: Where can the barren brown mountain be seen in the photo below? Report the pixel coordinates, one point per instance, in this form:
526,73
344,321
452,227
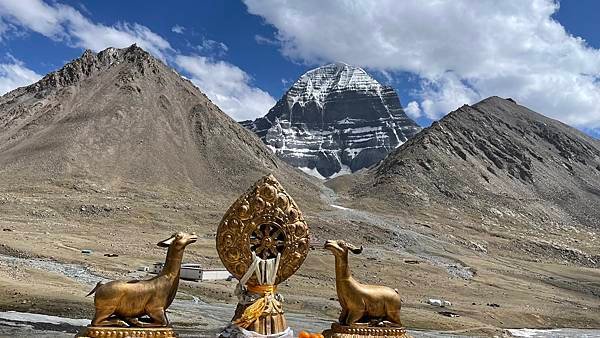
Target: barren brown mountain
122,118
493,152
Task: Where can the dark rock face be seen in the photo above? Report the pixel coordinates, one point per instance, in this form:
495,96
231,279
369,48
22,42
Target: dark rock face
335,119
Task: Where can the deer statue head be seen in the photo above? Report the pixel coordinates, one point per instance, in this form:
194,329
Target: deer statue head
341,248
178,240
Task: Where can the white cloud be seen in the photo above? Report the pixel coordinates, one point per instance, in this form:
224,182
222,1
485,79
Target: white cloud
462,50
14,74
227,86
212,47
263,40
4,27
35,15
412,110
445,93
178,29
64,23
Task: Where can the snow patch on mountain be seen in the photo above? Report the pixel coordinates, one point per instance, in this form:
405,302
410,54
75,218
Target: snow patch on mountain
335,119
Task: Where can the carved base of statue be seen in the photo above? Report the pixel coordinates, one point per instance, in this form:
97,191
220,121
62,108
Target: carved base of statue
259,309
364,331
126,332
267,323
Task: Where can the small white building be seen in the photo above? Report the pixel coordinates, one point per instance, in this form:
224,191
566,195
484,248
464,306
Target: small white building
195,272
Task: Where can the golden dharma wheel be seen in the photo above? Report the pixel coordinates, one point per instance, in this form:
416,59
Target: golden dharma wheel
264,220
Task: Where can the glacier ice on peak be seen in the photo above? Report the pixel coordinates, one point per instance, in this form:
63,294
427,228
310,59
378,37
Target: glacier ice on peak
317,84
335,119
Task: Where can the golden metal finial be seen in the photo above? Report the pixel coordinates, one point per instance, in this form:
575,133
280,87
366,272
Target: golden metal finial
264,220
262,240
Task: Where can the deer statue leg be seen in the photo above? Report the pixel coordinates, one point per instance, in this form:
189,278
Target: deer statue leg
353,317
394,317
158,317
133,321
343,316
101,318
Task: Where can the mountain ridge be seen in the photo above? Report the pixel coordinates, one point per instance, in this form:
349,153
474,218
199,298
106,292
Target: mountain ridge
494,149
121,116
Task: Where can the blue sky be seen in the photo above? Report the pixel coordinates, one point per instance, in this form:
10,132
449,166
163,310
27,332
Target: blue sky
244,54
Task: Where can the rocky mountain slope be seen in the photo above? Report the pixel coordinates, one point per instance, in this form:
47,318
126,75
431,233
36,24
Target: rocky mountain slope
123,118
335,119
501,168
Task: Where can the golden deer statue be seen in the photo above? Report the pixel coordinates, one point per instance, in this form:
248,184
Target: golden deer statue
360,302
122,303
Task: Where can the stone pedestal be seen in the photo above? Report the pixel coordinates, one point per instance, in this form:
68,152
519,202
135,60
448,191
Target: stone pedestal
126,332
364,331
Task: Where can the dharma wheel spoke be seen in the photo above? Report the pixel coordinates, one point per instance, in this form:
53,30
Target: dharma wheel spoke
278,233
267,240
259,250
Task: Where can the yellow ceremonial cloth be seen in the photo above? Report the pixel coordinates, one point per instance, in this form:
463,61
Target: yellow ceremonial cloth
256,309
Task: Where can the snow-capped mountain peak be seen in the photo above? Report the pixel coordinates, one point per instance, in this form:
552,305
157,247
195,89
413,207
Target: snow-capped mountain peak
316,84
335,119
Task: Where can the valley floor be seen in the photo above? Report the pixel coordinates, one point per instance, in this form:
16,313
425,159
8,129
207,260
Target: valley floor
43,269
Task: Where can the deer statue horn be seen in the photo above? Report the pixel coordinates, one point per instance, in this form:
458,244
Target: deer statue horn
354,249
167,242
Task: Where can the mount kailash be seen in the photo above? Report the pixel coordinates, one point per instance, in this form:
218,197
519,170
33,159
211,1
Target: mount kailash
335,119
